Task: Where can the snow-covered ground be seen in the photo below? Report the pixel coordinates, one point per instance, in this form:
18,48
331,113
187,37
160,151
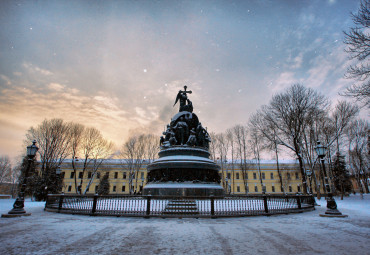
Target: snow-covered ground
304,233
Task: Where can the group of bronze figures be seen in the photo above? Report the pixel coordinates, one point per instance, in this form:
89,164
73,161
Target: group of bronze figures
185,128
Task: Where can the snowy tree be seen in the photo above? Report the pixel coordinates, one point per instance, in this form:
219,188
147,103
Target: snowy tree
341,179
104,186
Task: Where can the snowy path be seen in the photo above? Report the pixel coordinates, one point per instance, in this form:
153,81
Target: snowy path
305,233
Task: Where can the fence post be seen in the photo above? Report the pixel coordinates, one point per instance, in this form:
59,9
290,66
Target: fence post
212,207
95,201
148,199
299,202
265,203
61,198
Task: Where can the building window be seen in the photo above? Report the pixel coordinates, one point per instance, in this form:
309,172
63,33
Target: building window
263,188
123,188
272,176
63,174
228,176
288,176
124,175
142,175
263,176
72,174
114,188
89,175
69,188
299,188
255,176
141,188
79,188
237,189
255,188
246,176
237,176
115,175
297,176
80,175
290,189
98,175
96,188
273,188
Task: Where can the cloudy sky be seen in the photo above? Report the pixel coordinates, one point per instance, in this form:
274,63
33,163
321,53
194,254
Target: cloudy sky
117,65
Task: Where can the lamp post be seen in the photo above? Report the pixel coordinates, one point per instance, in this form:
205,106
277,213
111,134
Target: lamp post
331,205
18,206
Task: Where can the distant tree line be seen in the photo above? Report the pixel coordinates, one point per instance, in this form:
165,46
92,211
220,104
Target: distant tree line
293,121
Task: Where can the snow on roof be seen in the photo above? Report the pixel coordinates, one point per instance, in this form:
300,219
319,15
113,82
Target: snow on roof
180,157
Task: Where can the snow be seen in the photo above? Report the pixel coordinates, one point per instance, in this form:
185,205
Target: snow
183,185
305,233
179,158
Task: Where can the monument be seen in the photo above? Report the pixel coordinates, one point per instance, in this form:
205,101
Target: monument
184,167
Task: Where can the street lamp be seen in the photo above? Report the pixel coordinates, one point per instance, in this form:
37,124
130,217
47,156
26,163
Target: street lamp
18,206
331,205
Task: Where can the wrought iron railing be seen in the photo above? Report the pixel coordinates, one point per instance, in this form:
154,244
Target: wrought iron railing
171,206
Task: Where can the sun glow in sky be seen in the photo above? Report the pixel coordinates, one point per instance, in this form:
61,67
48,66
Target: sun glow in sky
117,65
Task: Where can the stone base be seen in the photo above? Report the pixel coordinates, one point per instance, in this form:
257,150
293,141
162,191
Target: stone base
334,215
183,189
7,215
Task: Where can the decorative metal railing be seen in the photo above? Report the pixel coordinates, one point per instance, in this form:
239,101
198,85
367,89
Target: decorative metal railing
155,206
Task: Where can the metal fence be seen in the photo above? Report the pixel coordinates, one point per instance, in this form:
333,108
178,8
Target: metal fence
155,206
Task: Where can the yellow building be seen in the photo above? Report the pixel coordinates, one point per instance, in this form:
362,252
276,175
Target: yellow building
254,180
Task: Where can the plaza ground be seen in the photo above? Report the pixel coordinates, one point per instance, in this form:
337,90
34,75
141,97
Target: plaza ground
303,233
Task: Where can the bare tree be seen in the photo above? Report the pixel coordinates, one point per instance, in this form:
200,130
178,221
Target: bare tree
77,131
358,134
53,137
240,134
288,113
213,146
151,147
358,41
95,149
222,146
133,152
5,169
257,122
231,139
255,144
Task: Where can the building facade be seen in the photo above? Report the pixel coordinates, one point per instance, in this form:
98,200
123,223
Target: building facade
255,179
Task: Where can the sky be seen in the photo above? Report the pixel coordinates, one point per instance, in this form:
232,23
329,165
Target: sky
118,65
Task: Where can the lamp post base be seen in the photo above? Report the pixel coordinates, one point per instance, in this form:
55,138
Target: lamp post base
332,210
8,215
334,215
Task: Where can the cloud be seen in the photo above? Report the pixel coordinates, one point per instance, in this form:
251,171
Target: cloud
6,79
35,69
56,86
285,80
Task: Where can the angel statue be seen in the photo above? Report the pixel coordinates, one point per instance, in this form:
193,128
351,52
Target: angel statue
185,103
